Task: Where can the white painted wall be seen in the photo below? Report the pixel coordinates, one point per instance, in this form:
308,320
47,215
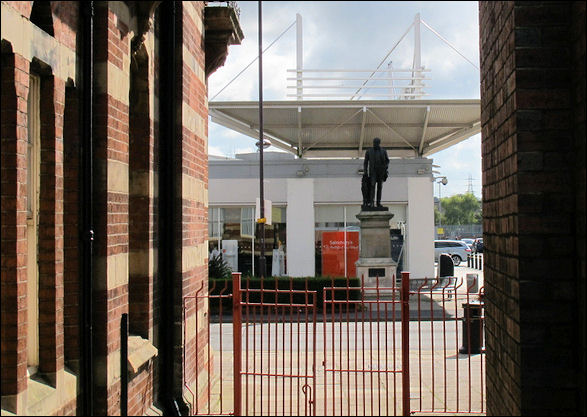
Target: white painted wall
244,191
420,225
348,190
300,227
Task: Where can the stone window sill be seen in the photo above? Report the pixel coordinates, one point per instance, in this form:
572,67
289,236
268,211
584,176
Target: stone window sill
140,351
43,399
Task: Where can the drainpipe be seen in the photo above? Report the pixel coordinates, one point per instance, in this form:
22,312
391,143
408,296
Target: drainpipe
86,210
167,206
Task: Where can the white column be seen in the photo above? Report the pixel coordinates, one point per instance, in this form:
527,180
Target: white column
300,227
420,222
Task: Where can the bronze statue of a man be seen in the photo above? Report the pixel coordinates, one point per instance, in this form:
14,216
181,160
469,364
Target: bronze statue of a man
375,173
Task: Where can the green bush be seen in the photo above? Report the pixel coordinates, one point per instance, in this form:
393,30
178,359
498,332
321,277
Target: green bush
298,296
218,268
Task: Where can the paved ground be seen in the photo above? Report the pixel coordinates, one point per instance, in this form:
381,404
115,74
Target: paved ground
353,367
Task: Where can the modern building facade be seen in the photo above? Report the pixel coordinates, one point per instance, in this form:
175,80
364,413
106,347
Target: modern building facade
104,201
314,208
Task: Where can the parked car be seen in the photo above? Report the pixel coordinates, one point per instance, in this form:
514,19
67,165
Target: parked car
478,245
457,249
469,242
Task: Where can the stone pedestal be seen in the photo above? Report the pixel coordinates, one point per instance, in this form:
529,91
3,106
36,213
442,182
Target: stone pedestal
375,253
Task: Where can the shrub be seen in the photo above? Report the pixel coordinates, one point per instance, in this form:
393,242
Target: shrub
218,268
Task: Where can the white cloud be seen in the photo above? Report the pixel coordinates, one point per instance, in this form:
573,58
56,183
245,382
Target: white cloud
351,35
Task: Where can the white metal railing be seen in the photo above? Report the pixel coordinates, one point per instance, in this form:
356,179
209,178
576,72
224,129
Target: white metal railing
390,83
387,84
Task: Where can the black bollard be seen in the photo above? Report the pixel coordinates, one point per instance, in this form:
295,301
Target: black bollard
472,327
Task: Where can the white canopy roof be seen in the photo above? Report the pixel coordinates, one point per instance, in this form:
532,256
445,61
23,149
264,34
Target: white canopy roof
407,128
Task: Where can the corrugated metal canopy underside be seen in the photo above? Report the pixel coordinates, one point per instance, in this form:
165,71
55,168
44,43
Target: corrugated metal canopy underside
407,128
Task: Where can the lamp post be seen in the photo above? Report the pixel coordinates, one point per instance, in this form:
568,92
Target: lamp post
441,180
262,267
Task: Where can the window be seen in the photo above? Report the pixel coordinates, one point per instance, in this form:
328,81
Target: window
248,222
337,231
337,240
215,223
33,188
231,228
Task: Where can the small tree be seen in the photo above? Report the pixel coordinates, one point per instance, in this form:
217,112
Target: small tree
218,268
461,209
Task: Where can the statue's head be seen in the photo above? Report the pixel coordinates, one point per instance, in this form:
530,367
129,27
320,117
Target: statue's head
376,142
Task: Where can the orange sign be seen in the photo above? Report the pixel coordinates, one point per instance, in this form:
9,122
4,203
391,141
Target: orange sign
333,253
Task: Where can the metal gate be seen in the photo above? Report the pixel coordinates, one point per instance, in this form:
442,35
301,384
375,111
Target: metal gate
341,350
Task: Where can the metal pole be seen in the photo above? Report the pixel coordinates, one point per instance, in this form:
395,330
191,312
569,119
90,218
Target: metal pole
439,208
417,56
124,365
236,340
390,75
345,244
262,268
405,312
253,245
168,204
299,56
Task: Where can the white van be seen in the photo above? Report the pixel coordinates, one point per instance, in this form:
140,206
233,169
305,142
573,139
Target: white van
457,249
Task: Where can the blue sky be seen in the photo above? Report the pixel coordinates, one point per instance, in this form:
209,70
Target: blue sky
356,35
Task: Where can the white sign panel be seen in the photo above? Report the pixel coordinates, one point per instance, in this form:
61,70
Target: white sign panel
267,208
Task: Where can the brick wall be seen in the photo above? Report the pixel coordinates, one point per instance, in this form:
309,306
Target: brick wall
499,201
126,134
194,194
111,186
530,176
71,208
579,152
127,199
15,84
50,258
45,57
140,391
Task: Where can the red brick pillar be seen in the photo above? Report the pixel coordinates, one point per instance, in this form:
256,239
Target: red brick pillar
533,218
192,168
71,241
50,260
15,85
112,38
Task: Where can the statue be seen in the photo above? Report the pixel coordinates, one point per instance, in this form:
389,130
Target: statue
374,175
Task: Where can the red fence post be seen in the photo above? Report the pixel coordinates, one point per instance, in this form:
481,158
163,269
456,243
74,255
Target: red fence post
236,340
405,308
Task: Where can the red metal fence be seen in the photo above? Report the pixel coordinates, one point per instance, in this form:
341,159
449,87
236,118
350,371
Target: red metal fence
381,350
